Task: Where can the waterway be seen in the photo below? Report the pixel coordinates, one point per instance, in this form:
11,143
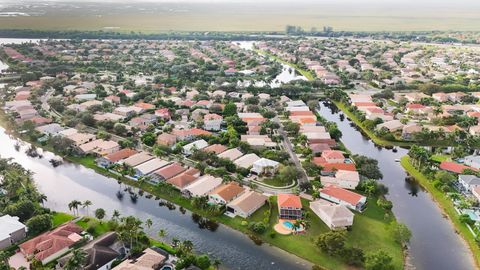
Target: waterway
434,244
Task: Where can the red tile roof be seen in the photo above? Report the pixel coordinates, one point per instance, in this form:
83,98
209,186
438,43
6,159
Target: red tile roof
332,154
454,167
342,194
289,201
122,154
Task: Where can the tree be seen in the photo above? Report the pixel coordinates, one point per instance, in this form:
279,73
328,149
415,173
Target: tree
367,167
354,256
86,204
203,262
230,109
73,206
148,223
100,214
332,242
162,233
401,233
39,224
77,261
4,256
149,138
216,263
379,260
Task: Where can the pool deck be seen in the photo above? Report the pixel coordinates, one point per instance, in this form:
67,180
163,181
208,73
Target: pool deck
282,229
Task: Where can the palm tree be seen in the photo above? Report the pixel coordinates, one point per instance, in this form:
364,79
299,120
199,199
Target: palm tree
148,223
86,204
42,198
77,260
73,206
216,263
162,233
115,215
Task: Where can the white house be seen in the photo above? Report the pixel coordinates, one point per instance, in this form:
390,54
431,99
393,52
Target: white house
343,179
333,215
196,145
11,231
265,166
469,181
212,122
472,161
342,196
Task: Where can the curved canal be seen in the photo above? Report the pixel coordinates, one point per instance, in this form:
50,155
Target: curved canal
70,181
434,243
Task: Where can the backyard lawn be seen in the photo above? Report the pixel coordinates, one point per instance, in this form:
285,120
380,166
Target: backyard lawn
60,218
97,228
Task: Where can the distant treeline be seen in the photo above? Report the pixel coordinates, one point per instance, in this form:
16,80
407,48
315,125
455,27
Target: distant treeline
38,34
419,36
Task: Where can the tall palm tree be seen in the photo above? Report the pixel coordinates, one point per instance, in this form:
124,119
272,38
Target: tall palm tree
115,215
73,206
148,223
86,204
42,198
216,263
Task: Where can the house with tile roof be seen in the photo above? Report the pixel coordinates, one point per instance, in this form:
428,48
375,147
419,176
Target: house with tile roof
226,193
51,245
246,204
289,206
343,178
167,172
110,159
345,197
12,231
215,148
335,216
204,185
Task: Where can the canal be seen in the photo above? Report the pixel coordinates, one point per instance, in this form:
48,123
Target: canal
70,182
434,243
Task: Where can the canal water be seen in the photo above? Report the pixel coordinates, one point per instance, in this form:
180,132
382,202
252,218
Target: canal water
434,243
70,182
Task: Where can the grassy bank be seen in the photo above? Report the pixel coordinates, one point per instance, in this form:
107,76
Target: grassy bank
446,205
307,74
370,134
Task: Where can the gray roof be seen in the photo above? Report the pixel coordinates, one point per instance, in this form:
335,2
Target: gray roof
469,179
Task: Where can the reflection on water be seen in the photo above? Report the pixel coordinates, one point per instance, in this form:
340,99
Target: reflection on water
434,244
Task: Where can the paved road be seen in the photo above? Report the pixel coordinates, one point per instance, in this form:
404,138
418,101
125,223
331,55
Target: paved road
287,145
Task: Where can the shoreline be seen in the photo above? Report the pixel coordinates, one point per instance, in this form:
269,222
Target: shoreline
473,248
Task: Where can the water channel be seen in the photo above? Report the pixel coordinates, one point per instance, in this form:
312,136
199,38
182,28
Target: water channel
434,244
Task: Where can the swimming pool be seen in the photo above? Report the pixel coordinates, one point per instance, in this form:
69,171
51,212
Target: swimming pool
288,224
167,267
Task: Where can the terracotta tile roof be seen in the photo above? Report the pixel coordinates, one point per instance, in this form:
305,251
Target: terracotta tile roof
330,167
289,201
454,167
332,154
415,106
364,104
182,180
170,171
122,154
215,148
301,113
145,106
342,194
228,191
51,242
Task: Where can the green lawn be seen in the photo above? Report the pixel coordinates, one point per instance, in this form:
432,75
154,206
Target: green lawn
99,228
60,218
445,204
370,232
440,158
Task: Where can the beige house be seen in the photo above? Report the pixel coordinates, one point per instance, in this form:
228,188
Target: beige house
333,215
343,179
246,204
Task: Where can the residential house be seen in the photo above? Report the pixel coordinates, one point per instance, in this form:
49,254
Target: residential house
391,126
333,215
333,156
50,129
246,204
167,172
184,179
472,161
345,197
215,148
110,159
289,206
137,159
149,167
265,166
246,161
231,154
167,139
163,113
51,245
189,134
194,146
81,138
12,231
454,167
225,193
204,185
409,130
100,253
99,147
468,182
151,258
343,179
212,122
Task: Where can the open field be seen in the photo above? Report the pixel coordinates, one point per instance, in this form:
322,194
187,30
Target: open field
151,17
